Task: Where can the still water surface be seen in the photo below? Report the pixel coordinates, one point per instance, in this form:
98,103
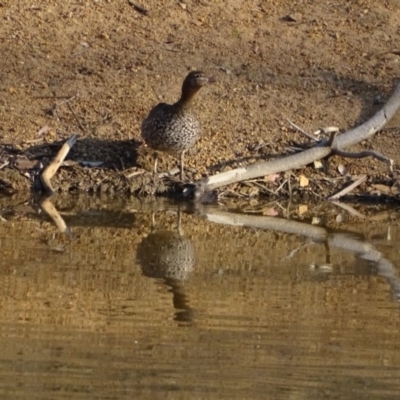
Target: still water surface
135,304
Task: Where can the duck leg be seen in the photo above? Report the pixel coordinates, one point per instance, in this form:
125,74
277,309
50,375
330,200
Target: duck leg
155,163
182,164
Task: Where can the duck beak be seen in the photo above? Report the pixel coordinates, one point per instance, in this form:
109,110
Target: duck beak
211,79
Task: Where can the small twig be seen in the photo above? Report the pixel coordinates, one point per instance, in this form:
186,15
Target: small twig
4,165
171,172
138,8
348,189
349,209
264,187
363,154
326,130
52,168
294,251
65,101
332,138
136,173
293,125
53,97
33,141
76,117
378,55
290,185
281,186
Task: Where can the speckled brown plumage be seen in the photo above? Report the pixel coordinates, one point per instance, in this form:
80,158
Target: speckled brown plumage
174,128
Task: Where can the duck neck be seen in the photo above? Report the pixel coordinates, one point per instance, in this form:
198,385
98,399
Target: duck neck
187,96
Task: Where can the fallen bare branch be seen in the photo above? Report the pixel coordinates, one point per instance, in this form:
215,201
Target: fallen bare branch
347,139
265,168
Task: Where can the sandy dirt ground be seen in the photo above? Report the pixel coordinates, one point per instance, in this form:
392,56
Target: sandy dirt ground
97,67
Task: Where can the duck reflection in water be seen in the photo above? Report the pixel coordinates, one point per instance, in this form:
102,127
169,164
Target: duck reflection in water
168,255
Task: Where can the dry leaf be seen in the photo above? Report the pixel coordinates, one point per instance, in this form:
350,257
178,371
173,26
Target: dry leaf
303,181
270,212
342,170
271,178
316,221
303,208
318,164
254,191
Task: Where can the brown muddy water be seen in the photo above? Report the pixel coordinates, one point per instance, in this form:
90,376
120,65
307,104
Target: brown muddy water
122,299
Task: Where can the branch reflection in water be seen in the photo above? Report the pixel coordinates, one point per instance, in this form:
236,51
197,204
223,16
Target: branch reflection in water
169,255
343,241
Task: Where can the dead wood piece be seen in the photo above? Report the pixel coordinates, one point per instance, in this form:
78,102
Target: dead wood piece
347,139
266,168
373,125
52,168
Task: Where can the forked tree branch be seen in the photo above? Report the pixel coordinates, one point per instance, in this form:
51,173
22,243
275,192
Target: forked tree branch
321,150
